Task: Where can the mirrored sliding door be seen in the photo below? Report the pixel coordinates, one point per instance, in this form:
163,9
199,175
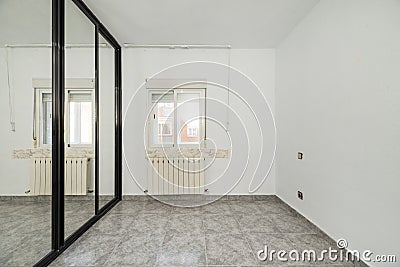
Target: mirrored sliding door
60,115
26,114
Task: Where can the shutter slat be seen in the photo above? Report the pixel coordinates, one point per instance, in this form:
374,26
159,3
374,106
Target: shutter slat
80,97
162,98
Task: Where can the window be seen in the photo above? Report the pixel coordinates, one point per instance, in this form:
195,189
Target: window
79,117
164,129
176,117
192,131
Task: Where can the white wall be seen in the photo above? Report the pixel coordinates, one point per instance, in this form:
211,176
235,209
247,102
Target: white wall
24,64
337,101
139,64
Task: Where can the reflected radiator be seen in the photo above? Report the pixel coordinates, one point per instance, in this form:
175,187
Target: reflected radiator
76,176
175,176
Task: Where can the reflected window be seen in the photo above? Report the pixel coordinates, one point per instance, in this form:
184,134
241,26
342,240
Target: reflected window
79,124
80,114
46,115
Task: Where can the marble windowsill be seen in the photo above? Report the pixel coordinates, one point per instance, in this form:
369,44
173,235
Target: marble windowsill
46,153
151,153
187,153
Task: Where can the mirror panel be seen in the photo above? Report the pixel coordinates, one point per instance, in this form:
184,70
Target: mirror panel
26,131
106,122
79,117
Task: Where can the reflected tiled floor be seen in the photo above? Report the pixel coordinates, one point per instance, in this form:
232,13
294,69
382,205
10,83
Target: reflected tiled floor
25,228
225,233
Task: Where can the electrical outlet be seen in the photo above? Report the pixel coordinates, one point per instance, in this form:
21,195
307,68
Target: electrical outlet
299,155
300,195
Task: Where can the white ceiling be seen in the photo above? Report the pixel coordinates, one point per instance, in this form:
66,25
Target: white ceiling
29,22
240,23
25,21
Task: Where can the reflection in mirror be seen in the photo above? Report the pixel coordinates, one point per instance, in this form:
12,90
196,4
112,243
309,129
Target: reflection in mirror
106,122
26,137
79,118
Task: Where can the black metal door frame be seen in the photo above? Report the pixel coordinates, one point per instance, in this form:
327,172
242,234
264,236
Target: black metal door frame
58,241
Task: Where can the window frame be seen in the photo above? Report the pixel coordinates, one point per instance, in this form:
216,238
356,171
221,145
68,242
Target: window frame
42,86
38,114
67,116
202,127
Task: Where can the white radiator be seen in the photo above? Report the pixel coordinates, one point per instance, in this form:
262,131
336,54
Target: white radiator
76,176
41,176
175,176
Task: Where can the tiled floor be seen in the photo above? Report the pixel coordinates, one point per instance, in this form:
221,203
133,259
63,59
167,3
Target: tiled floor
148,233
25,228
